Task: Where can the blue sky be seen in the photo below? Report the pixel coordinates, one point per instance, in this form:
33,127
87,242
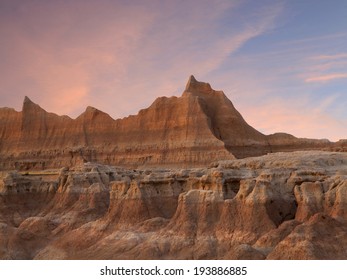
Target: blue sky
282,63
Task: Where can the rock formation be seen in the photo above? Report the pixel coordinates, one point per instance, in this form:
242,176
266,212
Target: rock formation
192,130
278,206
167,184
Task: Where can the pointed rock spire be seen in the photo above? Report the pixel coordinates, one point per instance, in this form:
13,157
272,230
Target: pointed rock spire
191,82
27,100
27,103
30,106
195,87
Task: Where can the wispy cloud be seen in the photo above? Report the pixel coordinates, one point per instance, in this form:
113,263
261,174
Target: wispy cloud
331,57
325,68
313,39
294,93
67,56
326,78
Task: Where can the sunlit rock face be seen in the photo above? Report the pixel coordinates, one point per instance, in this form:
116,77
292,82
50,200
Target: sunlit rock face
278,206
188,131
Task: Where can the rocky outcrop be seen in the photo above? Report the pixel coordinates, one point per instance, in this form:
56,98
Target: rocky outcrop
188,131
278,206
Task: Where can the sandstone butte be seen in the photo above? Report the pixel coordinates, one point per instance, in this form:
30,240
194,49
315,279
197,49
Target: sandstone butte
186,178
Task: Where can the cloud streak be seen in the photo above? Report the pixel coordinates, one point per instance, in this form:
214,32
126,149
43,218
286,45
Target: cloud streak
327,68
331,57
326,78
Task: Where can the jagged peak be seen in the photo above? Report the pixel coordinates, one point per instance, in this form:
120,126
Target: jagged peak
30,107
91,109
28,104
191,82
92,112
195,86
27,100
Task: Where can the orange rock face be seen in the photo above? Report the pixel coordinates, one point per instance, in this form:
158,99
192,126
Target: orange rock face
172,131
192,130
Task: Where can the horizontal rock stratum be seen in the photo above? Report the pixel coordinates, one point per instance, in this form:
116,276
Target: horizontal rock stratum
192,130
279,206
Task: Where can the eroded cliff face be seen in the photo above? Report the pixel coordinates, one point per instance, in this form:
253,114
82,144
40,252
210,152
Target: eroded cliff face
171,132
278,206
188,131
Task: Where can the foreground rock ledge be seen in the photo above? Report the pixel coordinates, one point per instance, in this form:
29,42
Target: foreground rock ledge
278,206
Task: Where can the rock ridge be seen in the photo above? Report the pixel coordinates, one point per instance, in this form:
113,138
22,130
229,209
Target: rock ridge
192,130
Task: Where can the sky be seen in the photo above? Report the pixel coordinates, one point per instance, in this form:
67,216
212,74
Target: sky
283,63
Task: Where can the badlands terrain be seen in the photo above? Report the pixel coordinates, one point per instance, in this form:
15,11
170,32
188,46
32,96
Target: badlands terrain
186,178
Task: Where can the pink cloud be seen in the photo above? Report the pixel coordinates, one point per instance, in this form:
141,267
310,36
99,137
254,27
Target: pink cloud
326,78
331,57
